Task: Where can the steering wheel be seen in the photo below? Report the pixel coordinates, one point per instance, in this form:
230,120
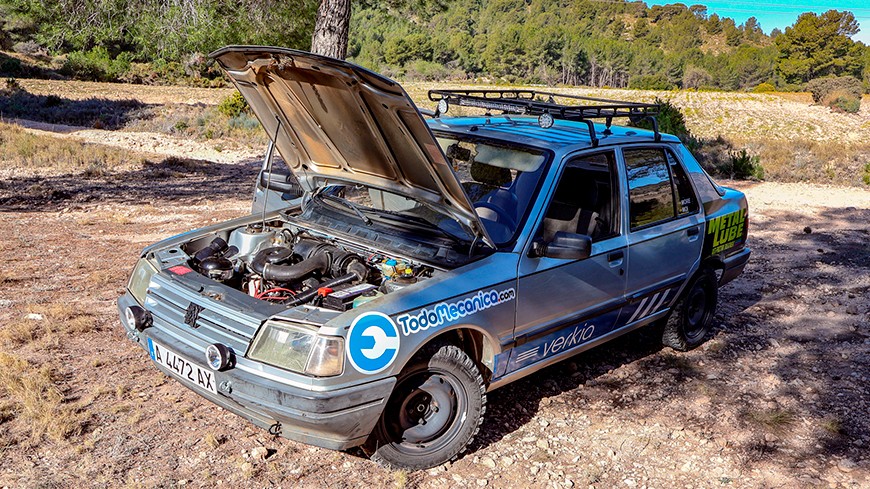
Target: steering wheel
503,217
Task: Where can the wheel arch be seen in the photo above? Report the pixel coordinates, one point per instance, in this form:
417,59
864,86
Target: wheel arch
474,340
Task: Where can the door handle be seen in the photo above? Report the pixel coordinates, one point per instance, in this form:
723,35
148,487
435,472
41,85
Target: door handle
693,233
615,258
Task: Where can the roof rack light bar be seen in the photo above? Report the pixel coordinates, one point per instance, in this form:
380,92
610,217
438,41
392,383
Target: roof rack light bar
535,103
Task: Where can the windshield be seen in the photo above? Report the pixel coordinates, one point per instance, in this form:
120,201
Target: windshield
500,181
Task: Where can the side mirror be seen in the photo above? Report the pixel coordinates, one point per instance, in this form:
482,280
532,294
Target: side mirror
280,180
565,246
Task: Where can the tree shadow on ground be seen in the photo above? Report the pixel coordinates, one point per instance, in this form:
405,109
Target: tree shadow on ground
94,113
181,180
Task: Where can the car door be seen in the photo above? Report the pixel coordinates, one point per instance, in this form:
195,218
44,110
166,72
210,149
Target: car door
664,230
563,304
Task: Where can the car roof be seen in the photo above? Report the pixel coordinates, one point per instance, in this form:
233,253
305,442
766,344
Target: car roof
562,136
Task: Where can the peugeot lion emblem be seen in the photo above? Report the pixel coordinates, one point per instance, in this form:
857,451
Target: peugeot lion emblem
192,314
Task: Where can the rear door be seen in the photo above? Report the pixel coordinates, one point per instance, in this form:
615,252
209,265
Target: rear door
563,304
664,230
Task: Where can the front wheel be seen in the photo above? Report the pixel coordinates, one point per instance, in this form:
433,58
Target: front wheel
434,412
691,319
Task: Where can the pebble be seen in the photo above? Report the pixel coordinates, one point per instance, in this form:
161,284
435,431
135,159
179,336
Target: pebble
259,453
846,465
488,462
34,316
507,461
541,443
482,482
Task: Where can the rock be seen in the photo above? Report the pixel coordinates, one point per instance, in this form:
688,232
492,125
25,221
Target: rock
529,439
846,465
182,483
808,230
457,478
259,453
488,462
852,309
507,461
482,482
542,443
630,482
34,316
246,467
544,423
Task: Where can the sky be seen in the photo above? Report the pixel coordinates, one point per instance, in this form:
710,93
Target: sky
782,13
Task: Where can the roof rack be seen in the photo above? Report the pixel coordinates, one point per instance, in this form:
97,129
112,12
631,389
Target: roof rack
543,105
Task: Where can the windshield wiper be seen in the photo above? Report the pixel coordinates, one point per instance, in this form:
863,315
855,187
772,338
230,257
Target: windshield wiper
350,205
419,221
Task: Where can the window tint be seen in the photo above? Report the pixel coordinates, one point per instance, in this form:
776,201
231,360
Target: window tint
584,200
687,203
649,187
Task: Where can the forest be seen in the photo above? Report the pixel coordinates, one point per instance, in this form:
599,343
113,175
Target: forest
601,43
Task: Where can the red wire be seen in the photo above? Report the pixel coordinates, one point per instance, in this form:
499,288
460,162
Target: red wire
261,295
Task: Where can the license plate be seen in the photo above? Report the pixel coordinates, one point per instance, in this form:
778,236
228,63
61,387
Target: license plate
182,368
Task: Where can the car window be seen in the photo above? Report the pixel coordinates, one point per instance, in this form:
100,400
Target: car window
500,181
584,200
651,198
687,203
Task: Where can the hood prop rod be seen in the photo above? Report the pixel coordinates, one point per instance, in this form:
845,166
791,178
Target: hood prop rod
267,167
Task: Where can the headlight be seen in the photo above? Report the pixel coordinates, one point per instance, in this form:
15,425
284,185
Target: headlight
293,348
142,274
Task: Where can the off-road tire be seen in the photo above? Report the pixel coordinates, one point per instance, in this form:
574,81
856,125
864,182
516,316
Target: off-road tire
441,369
691,319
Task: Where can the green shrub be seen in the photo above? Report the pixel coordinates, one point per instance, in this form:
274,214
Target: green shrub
842,100
671,121
234,105
764,88
822,87
744,166
650,82
866,177
97,65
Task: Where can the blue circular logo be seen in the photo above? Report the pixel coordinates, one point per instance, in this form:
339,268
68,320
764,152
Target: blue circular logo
372,342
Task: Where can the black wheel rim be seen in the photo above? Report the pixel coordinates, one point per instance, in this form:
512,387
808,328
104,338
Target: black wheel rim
425,413
698,313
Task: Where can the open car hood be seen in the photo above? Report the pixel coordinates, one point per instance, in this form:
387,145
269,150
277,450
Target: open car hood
340,123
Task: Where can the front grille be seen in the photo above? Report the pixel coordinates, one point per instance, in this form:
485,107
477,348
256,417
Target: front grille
170,302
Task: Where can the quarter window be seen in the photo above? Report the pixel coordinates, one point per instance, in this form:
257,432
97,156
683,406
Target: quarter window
651,198
687,203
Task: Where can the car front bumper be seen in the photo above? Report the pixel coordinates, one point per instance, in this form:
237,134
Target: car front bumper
336,419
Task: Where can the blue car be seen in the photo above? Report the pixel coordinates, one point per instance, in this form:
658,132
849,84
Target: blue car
395,268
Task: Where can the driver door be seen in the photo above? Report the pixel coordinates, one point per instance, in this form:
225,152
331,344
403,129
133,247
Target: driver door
563,304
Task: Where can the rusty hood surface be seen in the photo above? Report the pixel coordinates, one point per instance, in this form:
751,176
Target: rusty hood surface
335,122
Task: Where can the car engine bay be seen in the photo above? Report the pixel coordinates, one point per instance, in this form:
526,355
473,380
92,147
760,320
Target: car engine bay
272,262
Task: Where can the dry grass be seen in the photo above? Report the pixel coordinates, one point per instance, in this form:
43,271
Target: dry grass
22,150
776,421
46,322
37,400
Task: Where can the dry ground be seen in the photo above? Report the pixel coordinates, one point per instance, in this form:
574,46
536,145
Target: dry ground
778,397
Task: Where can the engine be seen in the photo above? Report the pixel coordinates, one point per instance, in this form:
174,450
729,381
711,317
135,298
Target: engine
272,263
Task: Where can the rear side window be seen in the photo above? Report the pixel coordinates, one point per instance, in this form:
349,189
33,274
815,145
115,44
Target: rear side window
651,198
687,203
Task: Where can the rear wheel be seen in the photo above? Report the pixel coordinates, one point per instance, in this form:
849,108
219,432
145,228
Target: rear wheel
692,317
434,412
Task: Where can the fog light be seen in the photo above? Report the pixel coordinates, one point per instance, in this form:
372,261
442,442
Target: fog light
138,317
218,356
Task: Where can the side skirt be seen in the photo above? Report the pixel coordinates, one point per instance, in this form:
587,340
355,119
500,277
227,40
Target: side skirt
546,362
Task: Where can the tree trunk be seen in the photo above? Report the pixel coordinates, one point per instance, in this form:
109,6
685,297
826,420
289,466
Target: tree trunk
331,29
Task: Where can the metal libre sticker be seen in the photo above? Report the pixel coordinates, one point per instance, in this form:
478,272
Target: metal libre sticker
372,342
725,232
447,312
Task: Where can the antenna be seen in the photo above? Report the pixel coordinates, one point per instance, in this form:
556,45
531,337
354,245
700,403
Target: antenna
267,167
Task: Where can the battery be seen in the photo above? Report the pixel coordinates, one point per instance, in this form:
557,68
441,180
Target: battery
342,300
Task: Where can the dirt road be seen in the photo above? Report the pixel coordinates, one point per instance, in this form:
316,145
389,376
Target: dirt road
777,398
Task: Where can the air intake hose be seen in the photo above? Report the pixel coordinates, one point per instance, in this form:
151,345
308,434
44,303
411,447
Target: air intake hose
265,263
